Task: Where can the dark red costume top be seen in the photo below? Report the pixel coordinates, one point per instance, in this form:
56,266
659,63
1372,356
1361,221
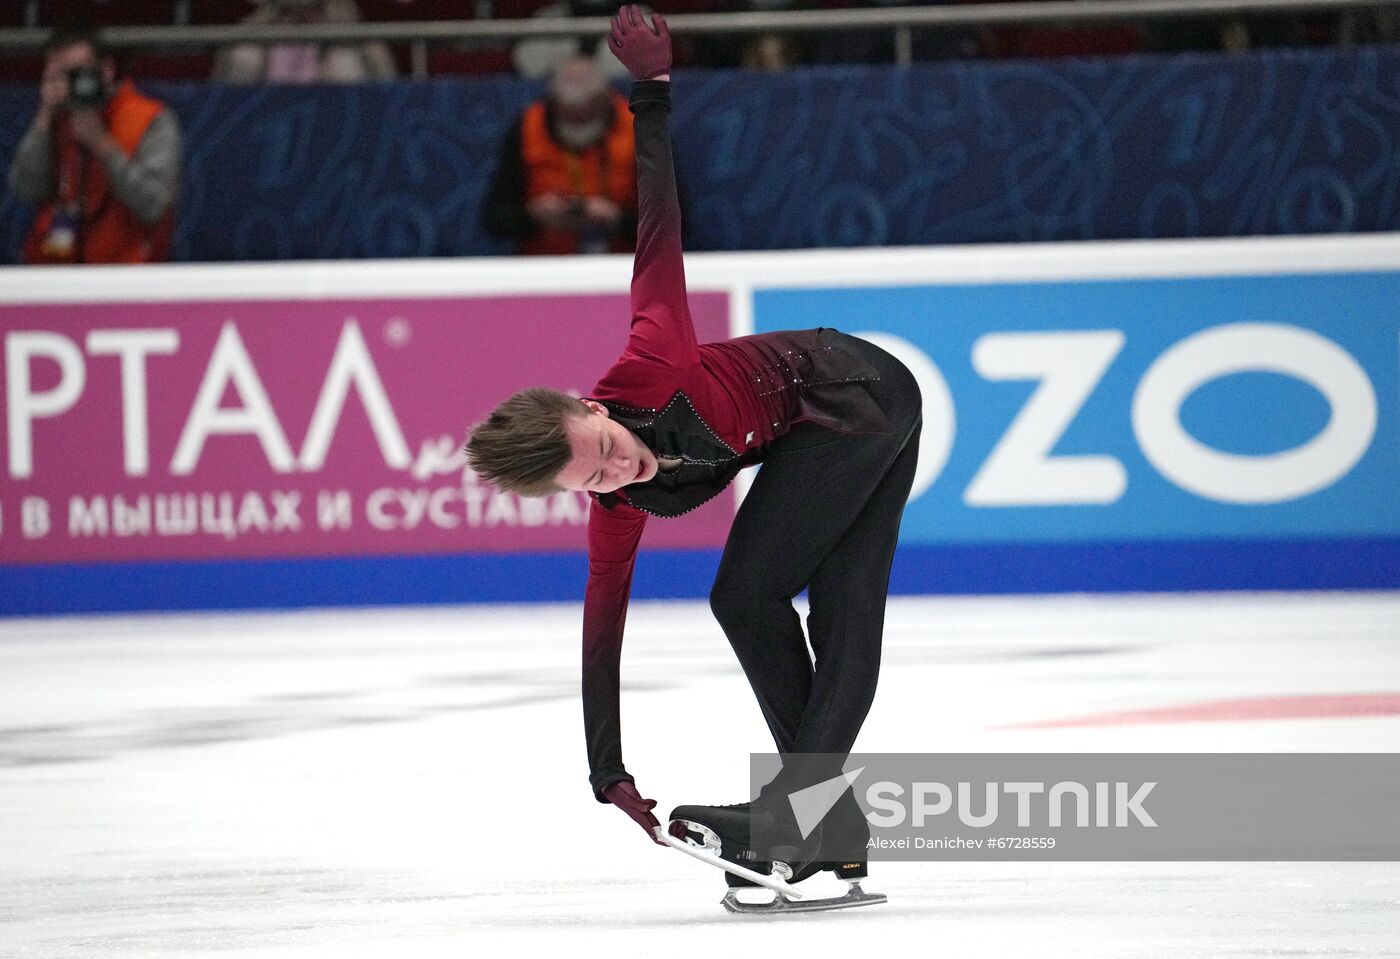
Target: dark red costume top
714,406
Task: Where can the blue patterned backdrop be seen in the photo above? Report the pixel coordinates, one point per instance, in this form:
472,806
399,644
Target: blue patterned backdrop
1188,145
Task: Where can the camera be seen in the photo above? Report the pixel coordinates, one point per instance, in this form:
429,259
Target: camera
86,88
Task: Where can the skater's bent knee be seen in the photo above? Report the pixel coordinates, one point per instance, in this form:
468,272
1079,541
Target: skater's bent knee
728,602
740,602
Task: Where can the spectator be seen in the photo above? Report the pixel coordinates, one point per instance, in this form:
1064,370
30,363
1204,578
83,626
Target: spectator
247,63
101,160
769,53
1378,25
567,179
541,56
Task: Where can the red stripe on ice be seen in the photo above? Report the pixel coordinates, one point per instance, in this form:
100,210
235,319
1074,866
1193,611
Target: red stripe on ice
1236,710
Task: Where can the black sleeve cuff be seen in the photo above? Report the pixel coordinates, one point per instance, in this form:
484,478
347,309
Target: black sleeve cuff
601,781
650,91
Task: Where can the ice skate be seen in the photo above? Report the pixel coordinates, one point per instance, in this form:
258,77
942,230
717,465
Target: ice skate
719,835
845,836
724,832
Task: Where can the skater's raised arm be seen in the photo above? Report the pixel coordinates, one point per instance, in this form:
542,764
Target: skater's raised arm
661,324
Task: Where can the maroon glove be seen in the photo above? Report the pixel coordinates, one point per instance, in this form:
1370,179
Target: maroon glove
624,796
644,51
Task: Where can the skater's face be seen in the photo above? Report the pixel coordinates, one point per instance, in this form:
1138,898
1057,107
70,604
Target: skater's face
606,454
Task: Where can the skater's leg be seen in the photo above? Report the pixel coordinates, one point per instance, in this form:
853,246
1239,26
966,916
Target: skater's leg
808,499
847,596
754,587
845,622
846,599
811,488
766,634
813,485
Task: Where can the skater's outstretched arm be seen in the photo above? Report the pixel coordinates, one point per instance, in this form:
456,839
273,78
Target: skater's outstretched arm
661,326
612,550
613,536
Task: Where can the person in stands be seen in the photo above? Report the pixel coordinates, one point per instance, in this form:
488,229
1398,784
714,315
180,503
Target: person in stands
100,160
566,181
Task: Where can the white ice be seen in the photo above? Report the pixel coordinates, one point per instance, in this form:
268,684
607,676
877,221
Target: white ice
411,783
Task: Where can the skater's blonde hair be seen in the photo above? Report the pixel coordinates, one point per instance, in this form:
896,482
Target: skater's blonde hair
522,446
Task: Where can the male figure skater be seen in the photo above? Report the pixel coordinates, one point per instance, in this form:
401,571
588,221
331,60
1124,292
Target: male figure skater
835,422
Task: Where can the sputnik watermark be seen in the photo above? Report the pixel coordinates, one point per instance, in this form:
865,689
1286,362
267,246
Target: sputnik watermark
1088,806
1098,804
930,799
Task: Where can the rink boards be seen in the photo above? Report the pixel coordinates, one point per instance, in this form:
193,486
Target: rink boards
1100,416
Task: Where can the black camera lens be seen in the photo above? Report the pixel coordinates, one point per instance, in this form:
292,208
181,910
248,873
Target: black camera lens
85,87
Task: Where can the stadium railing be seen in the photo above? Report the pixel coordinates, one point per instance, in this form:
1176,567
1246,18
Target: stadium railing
900,21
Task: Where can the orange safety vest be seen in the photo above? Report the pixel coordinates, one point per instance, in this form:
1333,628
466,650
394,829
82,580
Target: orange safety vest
107,231
608,168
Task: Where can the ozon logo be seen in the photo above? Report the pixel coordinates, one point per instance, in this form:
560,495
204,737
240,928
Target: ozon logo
1069,365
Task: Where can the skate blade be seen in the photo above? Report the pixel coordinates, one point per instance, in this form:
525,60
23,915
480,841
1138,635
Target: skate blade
781,905
708,854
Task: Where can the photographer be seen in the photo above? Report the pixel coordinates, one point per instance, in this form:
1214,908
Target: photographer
100,159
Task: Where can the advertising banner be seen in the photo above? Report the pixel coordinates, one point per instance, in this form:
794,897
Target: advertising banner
211,429
1218,408
1164,415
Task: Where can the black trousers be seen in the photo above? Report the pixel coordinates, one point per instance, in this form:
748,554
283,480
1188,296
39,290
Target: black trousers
823,514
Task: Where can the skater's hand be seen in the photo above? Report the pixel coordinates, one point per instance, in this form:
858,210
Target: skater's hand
643,50
624,796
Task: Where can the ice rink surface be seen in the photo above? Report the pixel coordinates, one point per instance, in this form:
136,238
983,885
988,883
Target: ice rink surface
412,782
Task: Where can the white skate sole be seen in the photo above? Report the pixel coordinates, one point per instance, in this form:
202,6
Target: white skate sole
786,897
